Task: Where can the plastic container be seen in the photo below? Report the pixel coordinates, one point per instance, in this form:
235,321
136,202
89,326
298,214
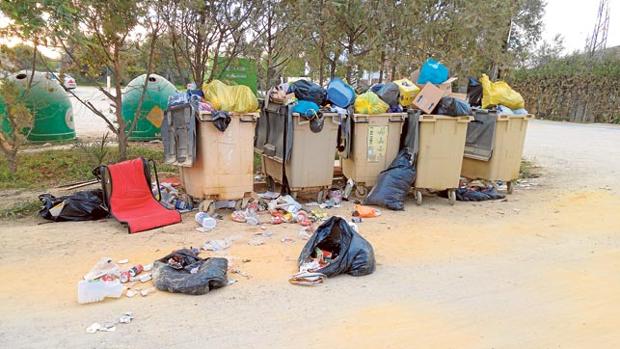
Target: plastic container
97,290
440,155
339,93
375,144
505,161
206,222
155,102
311,160
223,168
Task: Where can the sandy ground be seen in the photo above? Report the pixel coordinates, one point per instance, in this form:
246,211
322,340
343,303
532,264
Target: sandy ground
540,270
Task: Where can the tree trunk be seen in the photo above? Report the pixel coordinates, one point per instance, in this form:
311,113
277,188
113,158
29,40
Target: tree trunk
121,135
11,159
381,68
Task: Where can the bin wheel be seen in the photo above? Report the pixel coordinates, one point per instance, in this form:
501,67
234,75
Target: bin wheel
294,195
452,196
509,187
418,197
320,196
239,205
361,191
271,184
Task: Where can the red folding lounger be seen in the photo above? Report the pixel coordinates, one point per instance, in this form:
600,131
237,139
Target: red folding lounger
127,192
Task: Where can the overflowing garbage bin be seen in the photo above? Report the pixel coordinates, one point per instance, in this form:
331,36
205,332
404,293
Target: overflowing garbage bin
299,152
440,153
224,165
374,144
215,164
494,147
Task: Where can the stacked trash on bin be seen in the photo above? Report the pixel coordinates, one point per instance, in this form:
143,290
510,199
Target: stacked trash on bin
209,133
297,134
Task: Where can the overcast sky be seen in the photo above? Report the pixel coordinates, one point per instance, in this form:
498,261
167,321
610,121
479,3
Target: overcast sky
575,19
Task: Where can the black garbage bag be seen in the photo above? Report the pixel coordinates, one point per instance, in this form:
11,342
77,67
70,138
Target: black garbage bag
474,92
452,106
80,206
390,94
476,194
308,91
221,120
351,253
182,271
393,183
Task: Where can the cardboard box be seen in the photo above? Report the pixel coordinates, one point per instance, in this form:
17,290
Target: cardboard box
446,86
461,96
428,98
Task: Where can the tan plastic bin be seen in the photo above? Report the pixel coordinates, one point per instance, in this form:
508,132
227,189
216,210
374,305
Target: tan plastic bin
311,164
505,161
375,144
223,169
442,142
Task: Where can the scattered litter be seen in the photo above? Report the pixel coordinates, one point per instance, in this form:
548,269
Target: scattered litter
231,282
126,318
145,277
266,234
97,327
287,240
246,260
304,234
256,240
148,267
123,261
147,291
206,222
356,219
217,245
366,211
239,272
306,278
130,293
269,195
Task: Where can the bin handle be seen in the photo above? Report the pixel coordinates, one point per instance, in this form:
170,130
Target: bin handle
360,119
248,118
397,118
464,119
427,118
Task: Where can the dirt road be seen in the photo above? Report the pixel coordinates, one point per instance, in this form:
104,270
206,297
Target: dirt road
541,270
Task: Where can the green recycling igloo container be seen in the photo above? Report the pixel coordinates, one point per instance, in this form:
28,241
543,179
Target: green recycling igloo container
152,112
50,107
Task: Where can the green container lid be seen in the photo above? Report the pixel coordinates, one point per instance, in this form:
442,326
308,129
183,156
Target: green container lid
153,106
51,108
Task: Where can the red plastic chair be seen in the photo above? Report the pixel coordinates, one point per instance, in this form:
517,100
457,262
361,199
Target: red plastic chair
127,191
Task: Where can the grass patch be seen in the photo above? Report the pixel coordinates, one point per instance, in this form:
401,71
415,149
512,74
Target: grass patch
50,168
20,210
528,169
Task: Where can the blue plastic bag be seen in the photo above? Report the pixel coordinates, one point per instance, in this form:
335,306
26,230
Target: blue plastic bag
433,72
340,94
306,109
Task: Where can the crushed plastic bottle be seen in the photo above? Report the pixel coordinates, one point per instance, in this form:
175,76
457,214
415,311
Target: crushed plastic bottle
104,266
206,222
91,291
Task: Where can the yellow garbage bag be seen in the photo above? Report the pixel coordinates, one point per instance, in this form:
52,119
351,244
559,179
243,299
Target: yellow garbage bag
408,91
499,93
238,98
370,103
